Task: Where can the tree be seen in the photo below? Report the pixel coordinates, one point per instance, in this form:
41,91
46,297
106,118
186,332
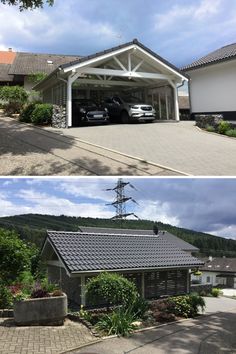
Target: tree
15,97
27,4
15,256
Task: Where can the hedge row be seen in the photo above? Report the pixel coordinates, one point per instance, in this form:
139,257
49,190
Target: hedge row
37,113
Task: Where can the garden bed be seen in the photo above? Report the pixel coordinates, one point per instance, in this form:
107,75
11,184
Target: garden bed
121,321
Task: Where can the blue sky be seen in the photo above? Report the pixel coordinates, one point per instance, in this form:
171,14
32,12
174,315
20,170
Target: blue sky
206,205
179,30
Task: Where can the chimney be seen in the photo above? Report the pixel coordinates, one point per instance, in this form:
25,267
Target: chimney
155,228
9,49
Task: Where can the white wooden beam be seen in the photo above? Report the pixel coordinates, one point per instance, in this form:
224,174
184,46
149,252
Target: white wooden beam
69,101
129,62
119,63
100,58
110,83
121,73
176,101
138,66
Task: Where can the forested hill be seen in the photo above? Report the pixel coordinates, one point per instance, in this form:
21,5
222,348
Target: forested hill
32,228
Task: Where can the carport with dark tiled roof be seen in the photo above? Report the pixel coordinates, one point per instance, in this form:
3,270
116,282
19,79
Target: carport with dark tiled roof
156,264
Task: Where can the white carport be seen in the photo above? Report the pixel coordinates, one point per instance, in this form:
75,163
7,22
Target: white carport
130,67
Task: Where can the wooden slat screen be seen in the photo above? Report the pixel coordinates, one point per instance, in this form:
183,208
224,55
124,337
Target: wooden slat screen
171,282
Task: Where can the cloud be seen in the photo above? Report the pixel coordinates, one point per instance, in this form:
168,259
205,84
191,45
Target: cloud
89,188
43,203
206,205
59,26
179,13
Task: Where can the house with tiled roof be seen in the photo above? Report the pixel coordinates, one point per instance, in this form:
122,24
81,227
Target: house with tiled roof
217,271
16,68
156,263
213,83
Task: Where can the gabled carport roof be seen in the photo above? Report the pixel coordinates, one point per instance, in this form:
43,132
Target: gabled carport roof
122,46
67,67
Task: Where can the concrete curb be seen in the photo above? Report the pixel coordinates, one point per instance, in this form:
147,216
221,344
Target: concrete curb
81,346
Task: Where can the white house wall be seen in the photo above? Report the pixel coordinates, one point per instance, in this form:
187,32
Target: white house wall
213,88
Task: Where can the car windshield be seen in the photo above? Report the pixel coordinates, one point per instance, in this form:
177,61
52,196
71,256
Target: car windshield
130,99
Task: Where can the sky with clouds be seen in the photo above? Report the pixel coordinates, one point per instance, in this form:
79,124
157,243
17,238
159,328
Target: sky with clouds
179,30
206,205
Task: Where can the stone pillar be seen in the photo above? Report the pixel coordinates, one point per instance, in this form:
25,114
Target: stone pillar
59,117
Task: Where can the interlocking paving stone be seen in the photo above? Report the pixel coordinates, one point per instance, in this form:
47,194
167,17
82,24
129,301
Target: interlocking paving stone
42,339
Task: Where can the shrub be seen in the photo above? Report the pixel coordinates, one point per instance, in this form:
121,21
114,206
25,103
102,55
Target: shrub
210,128
231,133
6,298
186,306
180,306
39,293
119,322
57,293
215,292
15,97
48,287
139,307
15,256
112,289
164,317
196,302
26,113
223,126
42,113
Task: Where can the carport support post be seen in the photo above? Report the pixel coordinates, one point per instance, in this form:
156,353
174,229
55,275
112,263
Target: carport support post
83,301
69,102
176,101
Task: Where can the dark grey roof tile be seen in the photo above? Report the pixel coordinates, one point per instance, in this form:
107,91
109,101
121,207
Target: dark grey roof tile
225,53
91,252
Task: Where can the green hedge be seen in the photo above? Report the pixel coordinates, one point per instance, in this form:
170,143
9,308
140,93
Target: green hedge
111,289
42,114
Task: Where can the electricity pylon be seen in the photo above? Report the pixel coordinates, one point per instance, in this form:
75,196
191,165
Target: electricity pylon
121,200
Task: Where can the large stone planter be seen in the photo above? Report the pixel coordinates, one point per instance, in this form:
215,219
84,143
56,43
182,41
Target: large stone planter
44,311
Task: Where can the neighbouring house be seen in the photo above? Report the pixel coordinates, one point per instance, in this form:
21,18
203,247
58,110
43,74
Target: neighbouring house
156,263
217,272
17,68
213,83
6,60
131,67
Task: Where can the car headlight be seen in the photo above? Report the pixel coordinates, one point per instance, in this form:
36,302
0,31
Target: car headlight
134,107
82,110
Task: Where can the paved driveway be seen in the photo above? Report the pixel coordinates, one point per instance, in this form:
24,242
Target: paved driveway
211,334
29,150
180,146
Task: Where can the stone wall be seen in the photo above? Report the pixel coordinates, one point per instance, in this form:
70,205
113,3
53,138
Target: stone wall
201,288
59,116
202,121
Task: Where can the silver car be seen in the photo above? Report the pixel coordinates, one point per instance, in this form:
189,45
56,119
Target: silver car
129,109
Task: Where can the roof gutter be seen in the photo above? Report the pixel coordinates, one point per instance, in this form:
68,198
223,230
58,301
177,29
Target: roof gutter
136,269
